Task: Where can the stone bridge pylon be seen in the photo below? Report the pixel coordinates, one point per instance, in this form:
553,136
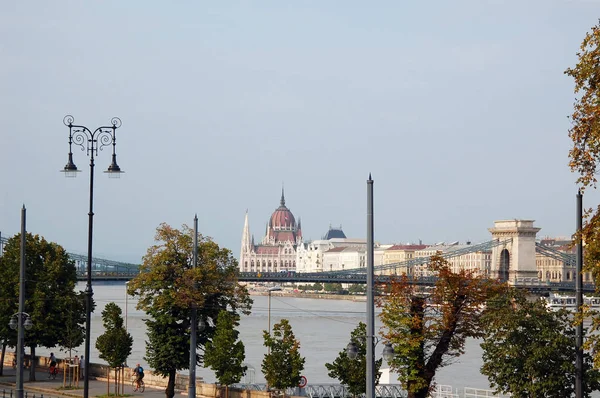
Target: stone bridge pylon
514,261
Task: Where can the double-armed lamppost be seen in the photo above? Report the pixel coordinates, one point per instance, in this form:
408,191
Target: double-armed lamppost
19,321
387,354
91,142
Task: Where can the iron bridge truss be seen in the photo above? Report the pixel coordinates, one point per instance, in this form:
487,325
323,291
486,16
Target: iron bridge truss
101,268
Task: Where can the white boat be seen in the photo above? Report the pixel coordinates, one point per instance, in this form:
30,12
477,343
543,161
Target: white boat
559,301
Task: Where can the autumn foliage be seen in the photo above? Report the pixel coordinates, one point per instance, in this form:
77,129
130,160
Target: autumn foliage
428,326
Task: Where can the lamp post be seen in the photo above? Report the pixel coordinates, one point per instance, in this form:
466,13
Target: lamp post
370,295
91,141
126,304
272,289
20,321
193,320
579,300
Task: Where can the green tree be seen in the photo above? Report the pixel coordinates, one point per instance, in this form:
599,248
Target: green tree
355,288
428,329
333,287
50,296
168,287
115,344
317,286
351,372
74,330
537,347
225,354
283,365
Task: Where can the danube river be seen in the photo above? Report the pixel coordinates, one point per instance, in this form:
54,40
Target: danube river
322,326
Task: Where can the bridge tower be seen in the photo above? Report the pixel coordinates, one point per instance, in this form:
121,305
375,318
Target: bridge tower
515,259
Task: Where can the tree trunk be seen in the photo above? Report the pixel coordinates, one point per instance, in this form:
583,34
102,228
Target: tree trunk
170,390
116,382
32,364
108,382
2,359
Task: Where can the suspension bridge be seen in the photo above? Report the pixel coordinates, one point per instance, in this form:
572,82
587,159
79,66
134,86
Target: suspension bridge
105,269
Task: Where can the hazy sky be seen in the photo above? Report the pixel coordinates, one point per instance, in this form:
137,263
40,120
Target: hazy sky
458,109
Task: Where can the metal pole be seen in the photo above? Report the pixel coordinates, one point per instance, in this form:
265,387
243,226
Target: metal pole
192,382
20,332
126,306
88,289
269,318
579,300
370,296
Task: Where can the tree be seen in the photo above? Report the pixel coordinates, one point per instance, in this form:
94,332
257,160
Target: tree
355,288
351,372
74,331
225,354
529,351
585,129
116,343
585,153
429,329
50,297
283,365
168,287
333,287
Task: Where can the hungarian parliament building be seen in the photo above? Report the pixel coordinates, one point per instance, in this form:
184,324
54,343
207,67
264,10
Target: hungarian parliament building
283,249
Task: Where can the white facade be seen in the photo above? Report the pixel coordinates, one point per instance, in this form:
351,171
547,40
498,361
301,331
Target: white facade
310,256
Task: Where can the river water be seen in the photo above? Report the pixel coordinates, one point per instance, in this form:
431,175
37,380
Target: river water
322,326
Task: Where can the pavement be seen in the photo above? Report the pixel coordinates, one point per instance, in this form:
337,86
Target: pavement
43,386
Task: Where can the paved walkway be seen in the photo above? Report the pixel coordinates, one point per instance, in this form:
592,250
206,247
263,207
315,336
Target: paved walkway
53,388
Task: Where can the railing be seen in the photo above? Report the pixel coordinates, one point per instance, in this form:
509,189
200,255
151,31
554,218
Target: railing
381,391
27,394
331,390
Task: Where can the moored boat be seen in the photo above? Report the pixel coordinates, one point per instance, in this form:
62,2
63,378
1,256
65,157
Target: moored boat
569,302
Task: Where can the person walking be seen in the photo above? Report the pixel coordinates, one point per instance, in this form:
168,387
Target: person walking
82,367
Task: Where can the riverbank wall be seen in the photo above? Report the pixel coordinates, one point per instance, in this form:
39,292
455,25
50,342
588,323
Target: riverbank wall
100,372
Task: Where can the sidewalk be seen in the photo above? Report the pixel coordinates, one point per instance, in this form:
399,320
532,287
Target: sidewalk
50,388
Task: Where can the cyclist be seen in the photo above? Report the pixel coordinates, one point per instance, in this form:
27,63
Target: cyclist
138,371
52,370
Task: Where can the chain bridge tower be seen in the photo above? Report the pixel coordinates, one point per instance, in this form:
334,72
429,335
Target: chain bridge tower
514,259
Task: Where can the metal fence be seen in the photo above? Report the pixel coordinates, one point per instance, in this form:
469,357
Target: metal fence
10,393
381,391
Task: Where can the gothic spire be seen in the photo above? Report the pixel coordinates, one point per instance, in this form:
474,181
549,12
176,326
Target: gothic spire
282,201
246,235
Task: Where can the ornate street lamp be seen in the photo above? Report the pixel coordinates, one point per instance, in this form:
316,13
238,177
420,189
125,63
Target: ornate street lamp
91,142
14,323
18,321
387,354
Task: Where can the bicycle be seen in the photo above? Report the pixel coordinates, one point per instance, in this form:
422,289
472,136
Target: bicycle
53,371
138,386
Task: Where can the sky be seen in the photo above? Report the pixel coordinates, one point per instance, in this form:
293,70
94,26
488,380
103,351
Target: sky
459,110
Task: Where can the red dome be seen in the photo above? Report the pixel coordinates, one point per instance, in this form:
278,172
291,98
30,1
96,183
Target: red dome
282,218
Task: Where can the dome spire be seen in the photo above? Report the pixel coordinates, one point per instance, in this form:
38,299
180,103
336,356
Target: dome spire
282,201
